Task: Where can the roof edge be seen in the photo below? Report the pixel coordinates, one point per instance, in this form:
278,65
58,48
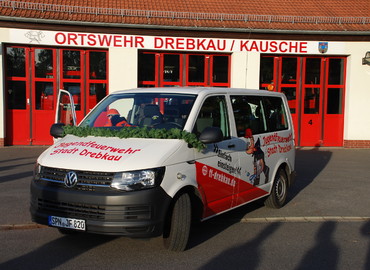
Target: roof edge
167,14
187,28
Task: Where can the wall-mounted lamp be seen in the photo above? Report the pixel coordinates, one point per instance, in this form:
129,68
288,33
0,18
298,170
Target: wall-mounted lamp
366,59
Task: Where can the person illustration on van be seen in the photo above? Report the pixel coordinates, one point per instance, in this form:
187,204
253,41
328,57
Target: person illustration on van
259,165
116,120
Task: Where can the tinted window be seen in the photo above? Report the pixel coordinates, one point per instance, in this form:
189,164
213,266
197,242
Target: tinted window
151,110
213,114
16,60
71,64
146,67
267,70
249,114
16,94
275,114
44,63
259,114
196,68
220,72
98,65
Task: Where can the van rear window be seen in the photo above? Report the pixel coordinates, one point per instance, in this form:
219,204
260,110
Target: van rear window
260,114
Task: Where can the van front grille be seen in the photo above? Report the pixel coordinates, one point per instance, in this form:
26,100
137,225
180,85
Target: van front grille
87,180
94,212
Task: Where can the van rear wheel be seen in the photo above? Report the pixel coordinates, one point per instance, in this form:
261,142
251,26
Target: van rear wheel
279,191
177,227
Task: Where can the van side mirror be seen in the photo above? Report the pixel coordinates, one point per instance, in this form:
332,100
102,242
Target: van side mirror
56,130
211,135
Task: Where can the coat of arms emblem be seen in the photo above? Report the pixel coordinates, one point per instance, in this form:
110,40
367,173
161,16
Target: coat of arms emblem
323,47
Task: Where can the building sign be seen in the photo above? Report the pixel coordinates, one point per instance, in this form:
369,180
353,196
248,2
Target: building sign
77,39
323,47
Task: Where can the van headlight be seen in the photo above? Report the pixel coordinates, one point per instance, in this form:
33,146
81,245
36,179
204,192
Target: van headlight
137,180
36,172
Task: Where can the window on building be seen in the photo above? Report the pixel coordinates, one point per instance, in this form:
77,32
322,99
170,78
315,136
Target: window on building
158,69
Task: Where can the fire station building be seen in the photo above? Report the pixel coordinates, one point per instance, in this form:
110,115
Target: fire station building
316,52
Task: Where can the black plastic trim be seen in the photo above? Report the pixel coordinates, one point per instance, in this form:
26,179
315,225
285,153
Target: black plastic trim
109,213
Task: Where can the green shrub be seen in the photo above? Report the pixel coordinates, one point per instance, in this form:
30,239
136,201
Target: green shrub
136,132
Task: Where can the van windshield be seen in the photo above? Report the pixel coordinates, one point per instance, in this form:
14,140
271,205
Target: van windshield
152,110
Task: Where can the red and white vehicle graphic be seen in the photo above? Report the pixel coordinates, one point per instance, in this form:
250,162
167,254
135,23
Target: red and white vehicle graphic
150,176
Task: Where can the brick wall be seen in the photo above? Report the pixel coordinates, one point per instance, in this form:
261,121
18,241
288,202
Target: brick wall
356,144
1,142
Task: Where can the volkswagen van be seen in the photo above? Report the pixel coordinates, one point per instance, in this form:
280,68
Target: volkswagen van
150,162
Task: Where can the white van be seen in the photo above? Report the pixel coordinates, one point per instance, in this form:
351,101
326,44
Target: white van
149,162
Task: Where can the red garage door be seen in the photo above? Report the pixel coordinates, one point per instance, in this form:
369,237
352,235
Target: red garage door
314,87
33,77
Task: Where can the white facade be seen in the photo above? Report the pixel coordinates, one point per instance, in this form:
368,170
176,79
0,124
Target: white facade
245,63
356,124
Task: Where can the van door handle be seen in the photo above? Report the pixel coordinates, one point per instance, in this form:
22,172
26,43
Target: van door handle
231,145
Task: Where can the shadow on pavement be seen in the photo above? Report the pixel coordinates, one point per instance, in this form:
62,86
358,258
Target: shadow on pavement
18,162
365,230
309,164
57,252
248,255
325,253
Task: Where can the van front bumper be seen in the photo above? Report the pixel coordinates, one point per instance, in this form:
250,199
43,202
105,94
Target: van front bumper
134,214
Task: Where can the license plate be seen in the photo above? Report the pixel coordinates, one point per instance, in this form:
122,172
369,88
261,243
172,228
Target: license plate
68,223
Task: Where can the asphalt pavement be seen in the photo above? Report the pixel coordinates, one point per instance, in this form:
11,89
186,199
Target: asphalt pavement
332,184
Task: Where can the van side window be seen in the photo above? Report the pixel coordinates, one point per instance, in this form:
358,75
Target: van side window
276,114
249,113
213,114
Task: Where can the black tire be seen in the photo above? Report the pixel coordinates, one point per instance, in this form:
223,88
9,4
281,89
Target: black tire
177,227
279,191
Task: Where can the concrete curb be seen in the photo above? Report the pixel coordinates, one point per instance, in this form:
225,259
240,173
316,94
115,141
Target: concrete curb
304,219
27,226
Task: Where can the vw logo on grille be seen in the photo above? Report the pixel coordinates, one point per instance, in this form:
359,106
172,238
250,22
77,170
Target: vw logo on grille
70,180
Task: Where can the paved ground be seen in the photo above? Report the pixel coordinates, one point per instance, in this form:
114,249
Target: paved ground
332,184
16,168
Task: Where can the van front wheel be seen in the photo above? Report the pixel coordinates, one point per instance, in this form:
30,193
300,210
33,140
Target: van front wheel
279,191
177,227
